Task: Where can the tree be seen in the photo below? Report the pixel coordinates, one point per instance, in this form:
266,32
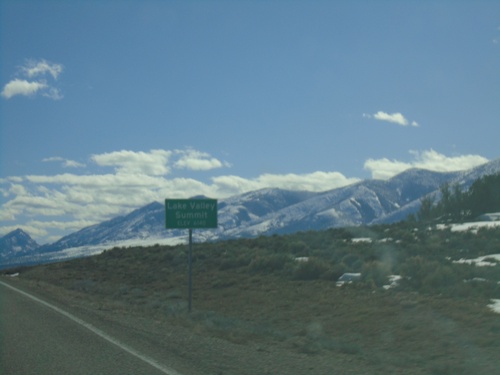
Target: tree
484,195
458,209
444,205
425,212
456,205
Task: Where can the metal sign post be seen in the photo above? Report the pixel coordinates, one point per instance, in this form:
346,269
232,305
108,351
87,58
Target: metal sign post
190,214
190,266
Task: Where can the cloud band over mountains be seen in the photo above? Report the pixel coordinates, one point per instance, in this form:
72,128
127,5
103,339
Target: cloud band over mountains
384,168
52,205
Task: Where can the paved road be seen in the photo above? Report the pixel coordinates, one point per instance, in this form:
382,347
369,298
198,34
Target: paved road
39,338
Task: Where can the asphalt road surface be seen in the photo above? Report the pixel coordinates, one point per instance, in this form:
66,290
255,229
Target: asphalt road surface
39,338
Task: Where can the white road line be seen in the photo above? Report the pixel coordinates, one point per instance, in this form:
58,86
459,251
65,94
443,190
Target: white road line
98,332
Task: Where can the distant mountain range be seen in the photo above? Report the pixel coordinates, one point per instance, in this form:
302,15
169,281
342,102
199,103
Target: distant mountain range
262,212
16,243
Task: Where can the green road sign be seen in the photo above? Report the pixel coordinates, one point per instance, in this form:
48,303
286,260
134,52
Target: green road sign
190,213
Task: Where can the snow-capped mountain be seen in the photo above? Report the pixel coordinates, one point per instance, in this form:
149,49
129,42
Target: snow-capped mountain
145,222
271,211
357,204
16,243
466,178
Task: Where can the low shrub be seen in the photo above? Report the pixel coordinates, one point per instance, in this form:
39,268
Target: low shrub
310,270
270,263
375,273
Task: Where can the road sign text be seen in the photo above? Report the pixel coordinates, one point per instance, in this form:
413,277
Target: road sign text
190,213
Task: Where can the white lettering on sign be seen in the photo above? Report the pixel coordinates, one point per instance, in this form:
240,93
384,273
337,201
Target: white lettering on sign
202,206
191,213
191,206
176,206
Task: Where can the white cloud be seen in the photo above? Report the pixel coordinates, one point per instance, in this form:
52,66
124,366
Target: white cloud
53,93
17,189
197,161
40,229
157,162
384,168
316,181
21,87
139,178
136,189
42,67
435,161
33,231
7,215
64,162
52,158
429,159
395,118
232,185
26,86
73,164
62,225
99,197
153,163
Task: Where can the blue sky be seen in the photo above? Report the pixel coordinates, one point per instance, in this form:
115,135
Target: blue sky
106,106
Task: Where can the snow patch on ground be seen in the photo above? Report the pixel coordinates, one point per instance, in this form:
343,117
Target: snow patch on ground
361,239
485,260
332,212
348,278
495,305
394,282
473,226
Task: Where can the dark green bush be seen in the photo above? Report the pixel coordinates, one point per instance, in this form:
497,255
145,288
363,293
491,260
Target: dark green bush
235,261
269,263
440,277
353,262
375,273
310,270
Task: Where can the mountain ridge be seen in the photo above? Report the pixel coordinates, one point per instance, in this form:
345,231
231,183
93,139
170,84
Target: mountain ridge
278,211
17,243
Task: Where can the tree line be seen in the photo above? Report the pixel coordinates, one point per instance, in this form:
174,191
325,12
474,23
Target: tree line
458,205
